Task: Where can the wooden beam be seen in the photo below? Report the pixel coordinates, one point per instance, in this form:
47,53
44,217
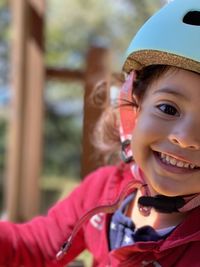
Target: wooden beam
97,70
65,74
25,127
14,157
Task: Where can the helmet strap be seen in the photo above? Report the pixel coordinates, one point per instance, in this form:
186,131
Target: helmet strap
127,117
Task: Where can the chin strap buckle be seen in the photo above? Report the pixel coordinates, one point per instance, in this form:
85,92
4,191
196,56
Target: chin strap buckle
126,153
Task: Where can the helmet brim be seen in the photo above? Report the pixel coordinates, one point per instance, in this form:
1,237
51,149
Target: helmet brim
143,58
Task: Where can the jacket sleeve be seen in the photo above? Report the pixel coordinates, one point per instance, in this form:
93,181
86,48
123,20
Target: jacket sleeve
36,243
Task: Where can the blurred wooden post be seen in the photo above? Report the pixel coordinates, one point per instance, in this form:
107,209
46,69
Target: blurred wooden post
25,128
97,70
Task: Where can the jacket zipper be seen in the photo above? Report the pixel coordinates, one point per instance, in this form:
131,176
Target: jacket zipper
110,208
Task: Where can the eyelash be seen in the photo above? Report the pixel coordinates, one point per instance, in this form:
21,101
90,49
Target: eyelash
168,109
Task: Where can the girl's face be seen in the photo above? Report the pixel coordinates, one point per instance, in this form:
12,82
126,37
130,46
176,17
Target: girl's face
166,138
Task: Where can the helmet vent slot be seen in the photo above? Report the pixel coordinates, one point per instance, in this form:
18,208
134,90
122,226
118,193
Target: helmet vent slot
192,18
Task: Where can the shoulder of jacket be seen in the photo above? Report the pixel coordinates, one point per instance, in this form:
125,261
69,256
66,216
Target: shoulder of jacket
105,174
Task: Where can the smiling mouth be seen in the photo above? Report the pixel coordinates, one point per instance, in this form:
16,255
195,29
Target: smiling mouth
171,161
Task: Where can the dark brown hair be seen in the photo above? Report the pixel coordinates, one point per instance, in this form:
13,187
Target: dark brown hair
146,77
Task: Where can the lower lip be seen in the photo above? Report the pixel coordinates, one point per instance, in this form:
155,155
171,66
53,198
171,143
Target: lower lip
173,169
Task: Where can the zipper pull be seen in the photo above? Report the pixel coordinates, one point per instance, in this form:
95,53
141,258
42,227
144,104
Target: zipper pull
63,250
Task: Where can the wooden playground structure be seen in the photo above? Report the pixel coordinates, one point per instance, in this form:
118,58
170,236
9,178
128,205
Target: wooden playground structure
29,74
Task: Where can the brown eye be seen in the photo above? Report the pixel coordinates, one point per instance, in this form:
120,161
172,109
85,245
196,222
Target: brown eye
168,109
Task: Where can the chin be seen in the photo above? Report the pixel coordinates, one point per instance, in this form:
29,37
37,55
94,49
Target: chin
165,189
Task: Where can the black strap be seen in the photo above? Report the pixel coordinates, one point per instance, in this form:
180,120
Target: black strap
163,204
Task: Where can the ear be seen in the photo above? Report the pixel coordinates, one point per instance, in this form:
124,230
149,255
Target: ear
137,102
135,99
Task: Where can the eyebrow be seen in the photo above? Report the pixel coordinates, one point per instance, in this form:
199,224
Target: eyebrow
171,92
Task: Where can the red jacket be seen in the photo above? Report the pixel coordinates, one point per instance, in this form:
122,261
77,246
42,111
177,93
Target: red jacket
36,243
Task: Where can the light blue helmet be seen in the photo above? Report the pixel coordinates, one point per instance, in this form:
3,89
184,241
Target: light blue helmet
170,37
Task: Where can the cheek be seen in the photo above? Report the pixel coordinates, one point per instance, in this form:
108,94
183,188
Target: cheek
150,127
147,131
140,140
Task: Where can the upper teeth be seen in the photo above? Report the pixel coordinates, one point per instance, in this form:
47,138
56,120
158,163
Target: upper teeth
170,160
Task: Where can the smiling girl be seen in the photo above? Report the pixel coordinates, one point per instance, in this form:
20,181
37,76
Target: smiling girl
144,211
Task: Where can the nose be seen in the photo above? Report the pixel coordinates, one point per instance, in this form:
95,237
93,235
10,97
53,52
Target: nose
182,143
186,137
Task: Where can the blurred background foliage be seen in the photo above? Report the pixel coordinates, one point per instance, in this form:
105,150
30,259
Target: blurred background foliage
4,86
72,26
